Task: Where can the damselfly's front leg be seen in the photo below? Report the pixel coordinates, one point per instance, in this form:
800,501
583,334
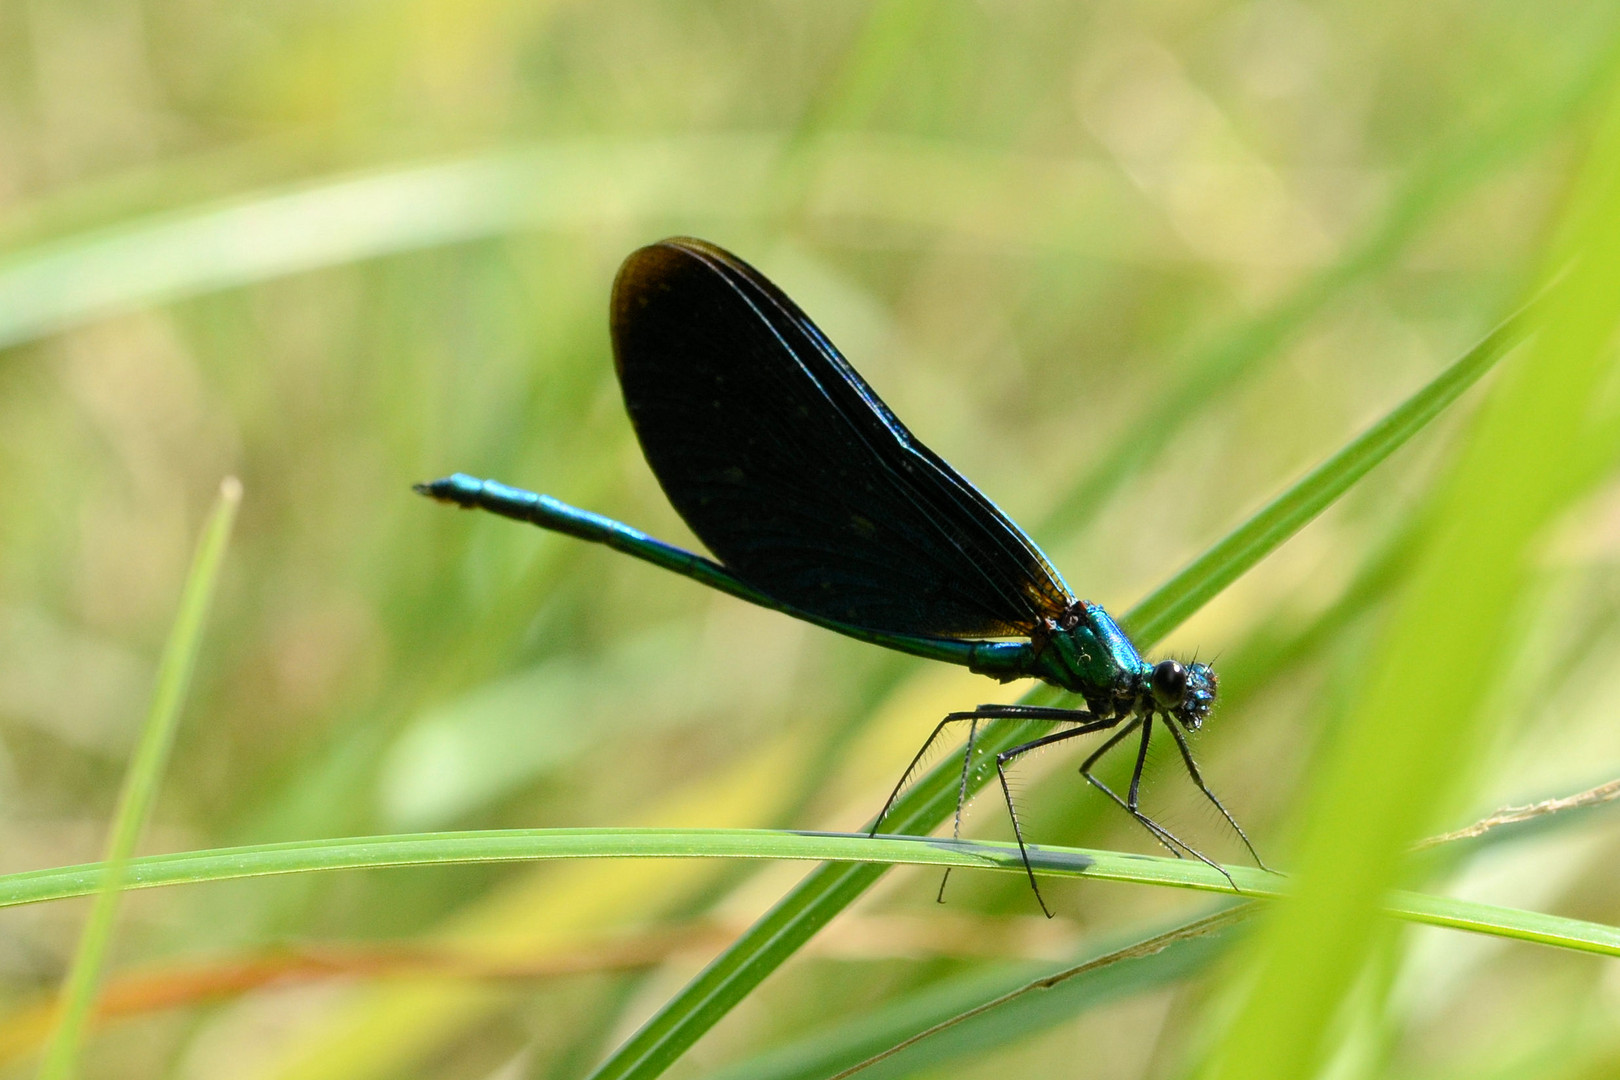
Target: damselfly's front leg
1131,804
1198,780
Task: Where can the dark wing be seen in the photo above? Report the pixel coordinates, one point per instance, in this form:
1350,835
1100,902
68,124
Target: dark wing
794,473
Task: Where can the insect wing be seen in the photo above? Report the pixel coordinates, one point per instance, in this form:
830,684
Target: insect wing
794,473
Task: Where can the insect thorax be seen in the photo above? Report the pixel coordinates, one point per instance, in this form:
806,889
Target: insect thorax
1088,654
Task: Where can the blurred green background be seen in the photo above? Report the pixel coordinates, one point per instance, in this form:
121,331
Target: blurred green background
1132,268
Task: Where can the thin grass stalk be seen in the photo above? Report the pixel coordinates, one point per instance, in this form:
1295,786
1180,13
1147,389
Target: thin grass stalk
141,784
840,849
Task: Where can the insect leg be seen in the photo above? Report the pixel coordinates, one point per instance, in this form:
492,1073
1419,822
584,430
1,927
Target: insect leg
1197,779
961,797
961,791
1153,827
983,712
1033,712
905,777
1165,836
1006,790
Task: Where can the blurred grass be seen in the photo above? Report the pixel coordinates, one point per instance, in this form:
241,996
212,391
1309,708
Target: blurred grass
971,1014
1420,721
140,788
1130,269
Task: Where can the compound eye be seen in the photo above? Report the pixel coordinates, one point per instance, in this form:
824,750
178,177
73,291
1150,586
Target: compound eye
1169,682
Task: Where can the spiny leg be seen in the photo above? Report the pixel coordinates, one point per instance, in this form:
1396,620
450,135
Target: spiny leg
961,791
1159,834
1133,807
1133,794
961,797
1018,834
983,712
905,777
1006,790
1198,780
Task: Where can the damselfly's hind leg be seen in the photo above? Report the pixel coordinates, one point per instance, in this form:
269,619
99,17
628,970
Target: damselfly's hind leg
1042,713
1085,721
905,777
983,712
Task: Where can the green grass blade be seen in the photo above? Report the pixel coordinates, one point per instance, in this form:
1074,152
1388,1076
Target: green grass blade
1421,721
1285,515
141,785
781,931
851,849
525,845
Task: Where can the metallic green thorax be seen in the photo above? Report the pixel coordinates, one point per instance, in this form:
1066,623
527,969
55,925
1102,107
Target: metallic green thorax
1091,657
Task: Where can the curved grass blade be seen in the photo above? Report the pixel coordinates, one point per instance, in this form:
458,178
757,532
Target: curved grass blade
854,849
828,890
141,786
526,845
